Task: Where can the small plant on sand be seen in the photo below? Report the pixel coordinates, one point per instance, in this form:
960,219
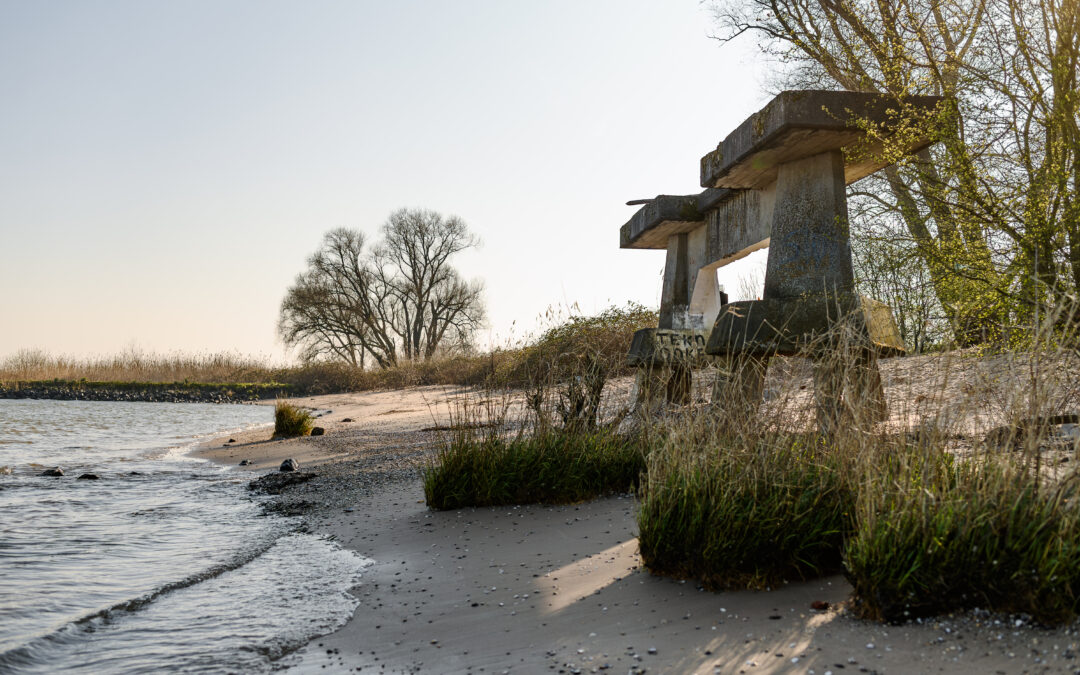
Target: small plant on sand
291,420
551,467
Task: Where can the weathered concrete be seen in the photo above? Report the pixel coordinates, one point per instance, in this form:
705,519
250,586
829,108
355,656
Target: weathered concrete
810,252
665,360
805,325
800,124
779,180
666,215
661,347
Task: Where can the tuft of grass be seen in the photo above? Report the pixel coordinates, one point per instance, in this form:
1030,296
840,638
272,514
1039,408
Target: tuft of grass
744,513
291,420
550,467
933,538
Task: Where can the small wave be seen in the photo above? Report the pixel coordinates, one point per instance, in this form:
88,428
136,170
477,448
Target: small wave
88,622
278,620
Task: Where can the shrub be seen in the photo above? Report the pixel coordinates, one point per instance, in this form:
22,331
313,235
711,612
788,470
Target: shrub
935,539
744,513
577,346
291,420
549,467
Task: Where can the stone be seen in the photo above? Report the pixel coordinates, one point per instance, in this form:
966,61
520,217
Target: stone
246,462
275,483
55,471
347,419
89,476
289,465
317,431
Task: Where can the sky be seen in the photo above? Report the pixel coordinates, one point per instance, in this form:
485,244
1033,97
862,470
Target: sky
166,167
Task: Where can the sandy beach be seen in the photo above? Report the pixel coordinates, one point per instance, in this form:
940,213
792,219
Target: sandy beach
560,589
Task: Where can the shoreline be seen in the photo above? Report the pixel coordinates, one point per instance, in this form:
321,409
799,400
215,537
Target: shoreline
150,392
561,588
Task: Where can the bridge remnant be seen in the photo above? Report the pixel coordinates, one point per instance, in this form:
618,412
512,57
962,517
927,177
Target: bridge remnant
778,180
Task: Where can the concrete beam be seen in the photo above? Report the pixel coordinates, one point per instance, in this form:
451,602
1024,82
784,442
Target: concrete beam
798,124
666,215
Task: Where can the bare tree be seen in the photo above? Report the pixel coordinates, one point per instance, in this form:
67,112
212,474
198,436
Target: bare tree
433,303
339,307
992,208
403,297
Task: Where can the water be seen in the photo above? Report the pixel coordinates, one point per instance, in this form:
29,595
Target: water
166,563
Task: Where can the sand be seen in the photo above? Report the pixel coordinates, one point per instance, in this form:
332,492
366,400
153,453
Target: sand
543,589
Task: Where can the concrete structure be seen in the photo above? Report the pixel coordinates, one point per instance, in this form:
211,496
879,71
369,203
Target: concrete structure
778,180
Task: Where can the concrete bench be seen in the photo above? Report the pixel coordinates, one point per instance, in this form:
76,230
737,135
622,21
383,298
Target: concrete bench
779,181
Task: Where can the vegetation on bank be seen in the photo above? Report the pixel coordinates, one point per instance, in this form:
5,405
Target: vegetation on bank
744,512
151,391
516,365
551,467
291,421
931,537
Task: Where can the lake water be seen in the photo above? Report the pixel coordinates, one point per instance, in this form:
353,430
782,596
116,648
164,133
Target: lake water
167,563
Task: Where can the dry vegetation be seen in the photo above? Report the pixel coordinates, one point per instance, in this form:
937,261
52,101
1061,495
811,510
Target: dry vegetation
966,496
556,350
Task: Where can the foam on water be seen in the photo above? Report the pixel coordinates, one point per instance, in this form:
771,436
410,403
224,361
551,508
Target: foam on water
165,563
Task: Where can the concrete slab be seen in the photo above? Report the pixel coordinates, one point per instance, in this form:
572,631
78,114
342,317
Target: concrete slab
799,124
792,326
666,215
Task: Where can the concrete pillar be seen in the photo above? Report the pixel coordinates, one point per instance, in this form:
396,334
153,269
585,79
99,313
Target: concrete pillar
737,391
675,295
809,250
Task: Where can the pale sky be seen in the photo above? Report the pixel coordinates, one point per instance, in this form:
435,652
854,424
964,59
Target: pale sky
166,167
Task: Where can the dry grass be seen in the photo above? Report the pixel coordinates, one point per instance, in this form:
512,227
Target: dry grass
964,496
607,335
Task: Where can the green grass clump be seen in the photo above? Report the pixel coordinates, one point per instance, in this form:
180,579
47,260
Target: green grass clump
935,539
291,420
550,467
744,515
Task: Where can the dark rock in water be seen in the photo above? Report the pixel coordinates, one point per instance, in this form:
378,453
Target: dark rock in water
317,431
246,462
347,419
274,483
55,471
135,473
89,476
289,465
